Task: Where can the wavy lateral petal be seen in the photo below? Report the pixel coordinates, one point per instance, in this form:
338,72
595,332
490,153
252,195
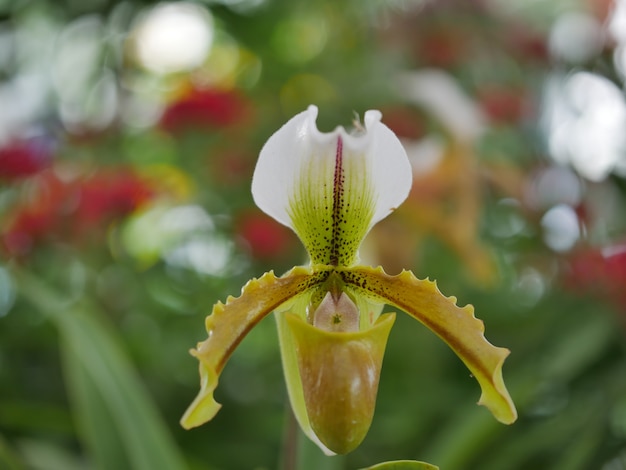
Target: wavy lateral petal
330,188
228,325
457,326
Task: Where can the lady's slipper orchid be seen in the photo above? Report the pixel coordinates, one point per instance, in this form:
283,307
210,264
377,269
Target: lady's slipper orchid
331,188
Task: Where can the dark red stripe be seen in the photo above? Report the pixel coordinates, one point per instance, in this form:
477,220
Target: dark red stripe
338,199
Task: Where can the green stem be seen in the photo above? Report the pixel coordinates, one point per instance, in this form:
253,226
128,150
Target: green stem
289,458
299,453
310,457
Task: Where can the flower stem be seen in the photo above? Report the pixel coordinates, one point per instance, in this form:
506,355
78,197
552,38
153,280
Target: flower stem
299,453
310,457
289,457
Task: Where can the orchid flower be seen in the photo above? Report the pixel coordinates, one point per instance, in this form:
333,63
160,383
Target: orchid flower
331,188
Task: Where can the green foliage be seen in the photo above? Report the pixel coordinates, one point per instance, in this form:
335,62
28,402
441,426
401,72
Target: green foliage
402,465
116,417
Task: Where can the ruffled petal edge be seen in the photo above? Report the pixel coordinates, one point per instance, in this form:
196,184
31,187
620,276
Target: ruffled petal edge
457,326
229,323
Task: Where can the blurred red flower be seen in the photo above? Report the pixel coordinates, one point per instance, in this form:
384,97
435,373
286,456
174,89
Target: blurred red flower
110,194
442,47
74,210
526,44
231,167
23,158
405,122
199,109
503,104
265,237
601,272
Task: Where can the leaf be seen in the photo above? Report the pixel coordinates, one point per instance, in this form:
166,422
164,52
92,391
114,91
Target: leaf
93,349
41,454
578,347
9,459
457,326
93,419
403,465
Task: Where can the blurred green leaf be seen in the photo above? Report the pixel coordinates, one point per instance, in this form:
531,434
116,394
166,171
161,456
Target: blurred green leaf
44,455
95,422
29,416
8,457
109,396
579,345
403,465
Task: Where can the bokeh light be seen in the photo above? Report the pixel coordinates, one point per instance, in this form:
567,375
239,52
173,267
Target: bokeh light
173,37
561,227
584,117
301,38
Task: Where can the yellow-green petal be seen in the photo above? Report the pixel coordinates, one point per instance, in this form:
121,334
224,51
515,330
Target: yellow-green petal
457,326
228,325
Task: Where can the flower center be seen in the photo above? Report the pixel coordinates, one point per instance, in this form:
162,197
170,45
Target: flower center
339,314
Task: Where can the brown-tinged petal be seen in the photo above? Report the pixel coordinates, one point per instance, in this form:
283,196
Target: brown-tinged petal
457,326
339,372
229,323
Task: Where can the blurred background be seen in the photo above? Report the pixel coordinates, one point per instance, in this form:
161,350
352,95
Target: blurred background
129,131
